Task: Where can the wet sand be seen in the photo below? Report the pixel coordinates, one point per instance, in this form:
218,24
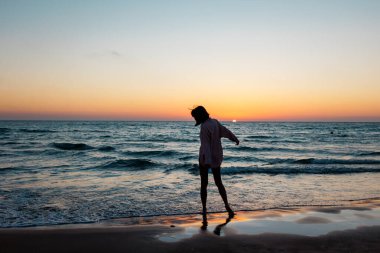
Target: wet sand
353,228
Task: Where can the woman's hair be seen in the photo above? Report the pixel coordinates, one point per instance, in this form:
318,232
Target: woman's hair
200,114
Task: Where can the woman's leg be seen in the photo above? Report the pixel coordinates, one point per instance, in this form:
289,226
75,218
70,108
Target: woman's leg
204,181
222,190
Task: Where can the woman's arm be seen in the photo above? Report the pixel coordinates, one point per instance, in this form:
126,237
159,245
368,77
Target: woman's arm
226,133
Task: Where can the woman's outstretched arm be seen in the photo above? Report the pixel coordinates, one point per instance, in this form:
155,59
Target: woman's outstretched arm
226,133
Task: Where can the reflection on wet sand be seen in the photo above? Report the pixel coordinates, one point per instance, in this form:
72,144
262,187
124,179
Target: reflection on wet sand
312,221
218,228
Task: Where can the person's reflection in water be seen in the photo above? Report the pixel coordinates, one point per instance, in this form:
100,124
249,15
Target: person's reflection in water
218,228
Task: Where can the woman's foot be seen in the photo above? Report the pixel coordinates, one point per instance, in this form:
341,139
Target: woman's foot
231,213
204,219
204,222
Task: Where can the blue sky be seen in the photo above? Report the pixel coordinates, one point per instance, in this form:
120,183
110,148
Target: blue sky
270,53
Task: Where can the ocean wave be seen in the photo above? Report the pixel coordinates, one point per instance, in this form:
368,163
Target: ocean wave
375,153
106,148
304,161
274,141
71,146
247,148
341,135
165,139
5,154
99,131
234,170
188,157
131,164
335,161
261,137
231,158
292,170
6,169
25,130
14,169
85,131
188,166
161,153
4,130
11,143
192,168
323,161
283,141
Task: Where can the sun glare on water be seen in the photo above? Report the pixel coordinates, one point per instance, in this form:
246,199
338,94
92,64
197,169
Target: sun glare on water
234,120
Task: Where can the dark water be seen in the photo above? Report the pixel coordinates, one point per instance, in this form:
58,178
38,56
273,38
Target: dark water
56,172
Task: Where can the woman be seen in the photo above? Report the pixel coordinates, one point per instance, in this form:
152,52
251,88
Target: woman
211,153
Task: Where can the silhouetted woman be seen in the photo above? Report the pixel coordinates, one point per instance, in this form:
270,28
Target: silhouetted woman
211,153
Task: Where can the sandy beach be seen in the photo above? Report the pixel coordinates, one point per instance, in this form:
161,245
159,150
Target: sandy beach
353,228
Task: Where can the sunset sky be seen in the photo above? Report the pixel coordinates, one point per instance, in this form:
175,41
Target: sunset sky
279,60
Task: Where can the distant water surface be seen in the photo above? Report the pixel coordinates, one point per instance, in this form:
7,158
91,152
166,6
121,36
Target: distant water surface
55,172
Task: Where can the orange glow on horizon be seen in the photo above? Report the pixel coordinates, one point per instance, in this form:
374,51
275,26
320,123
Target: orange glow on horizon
270,102
184,114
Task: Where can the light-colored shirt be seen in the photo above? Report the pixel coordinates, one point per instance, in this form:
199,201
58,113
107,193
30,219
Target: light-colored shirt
211,151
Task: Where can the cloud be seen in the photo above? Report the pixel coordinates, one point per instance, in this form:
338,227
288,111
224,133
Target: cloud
106,54
116,53
110,56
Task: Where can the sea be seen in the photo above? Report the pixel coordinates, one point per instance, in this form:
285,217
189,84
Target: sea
68,172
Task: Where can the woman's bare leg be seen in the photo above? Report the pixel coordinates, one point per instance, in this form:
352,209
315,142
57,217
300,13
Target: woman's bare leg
222,190
204,182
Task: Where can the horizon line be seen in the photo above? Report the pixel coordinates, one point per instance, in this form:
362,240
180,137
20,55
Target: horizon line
174,120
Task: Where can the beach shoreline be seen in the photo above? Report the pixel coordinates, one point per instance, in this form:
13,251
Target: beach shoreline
353,228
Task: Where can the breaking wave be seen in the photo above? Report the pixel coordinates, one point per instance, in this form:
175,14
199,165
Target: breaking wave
25,130
71,146
295,170
129,164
